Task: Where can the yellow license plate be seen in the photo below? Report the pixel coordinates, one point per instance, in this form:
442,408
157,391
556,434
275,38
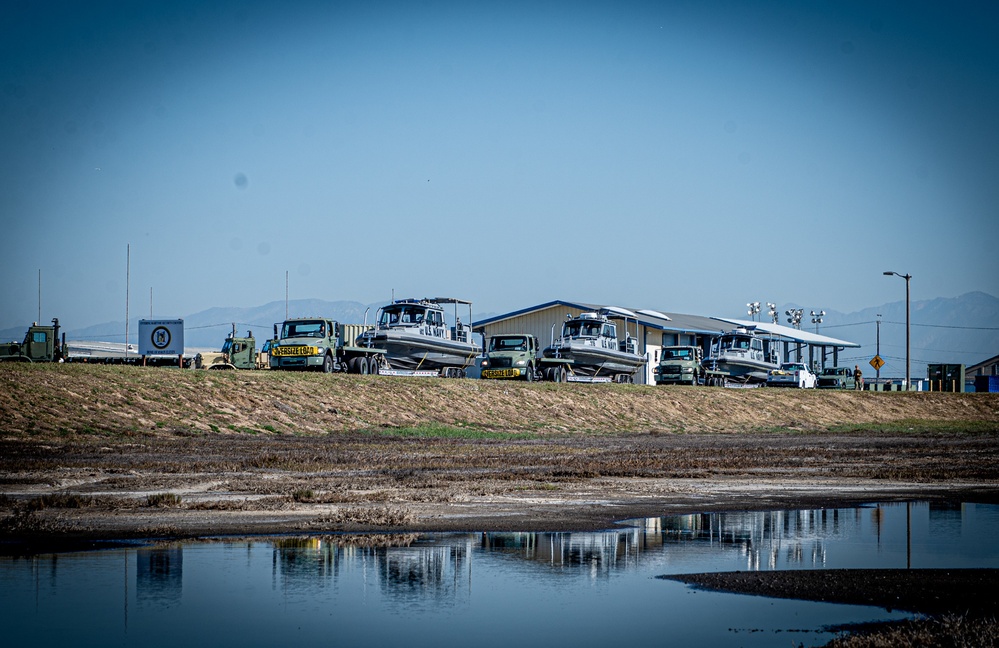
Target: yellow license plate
501,373
284,351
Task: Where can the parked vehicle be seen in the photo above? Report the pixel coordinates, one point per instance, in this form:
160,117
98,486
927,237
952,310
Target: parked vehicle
792,374
511,356
836,378
41,344
317,344
679,365
240,353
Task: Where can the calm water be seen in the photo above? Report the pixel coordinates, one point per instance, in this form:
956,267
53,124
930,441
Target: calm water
493,589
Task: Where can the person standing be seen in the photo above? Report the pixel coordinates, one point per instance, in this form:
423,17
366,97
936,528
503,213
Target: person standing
858,378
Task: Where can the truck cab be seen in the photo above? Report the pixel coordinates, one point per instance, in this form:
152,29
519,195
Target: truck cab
511,356
317,344
679,365
41,344
240,353
305,343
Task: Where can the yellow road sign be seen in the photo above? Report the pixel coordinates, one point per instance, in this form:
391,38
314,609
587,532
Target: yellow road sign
877,362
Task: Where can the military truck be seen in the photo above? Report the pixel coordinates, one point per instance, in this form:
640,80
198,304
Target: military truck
511,356
315,343
239,353
679,365
41,344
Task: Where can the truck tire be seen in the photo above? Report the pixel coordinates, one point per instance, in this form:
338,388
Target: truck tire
530,374
373,366
328,364
362,366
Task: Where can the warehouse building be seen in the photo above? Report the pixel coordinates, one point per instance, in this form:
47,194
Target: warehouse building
653,329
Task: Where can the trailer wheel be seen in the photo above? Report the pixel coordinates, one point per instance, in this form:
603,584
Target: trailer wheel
328,364
362,366
373,366
558,374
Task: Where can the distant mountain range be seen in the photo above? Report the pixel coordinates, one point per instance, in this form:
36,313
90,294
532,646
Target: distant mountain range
959,330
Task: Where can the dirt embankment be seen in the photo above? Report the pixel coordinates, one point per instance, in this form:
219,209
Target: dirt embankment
42,400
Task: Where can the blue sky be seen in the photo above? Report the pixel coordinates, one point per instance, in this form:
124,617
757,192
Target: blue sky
685,156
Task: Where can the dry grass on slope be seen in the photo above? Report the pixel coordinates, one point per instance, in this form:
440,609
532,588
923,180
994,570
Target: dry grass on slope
44,400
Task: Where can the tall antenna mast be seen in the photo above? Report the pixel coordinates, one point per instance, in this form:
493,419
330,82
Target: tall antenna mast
150,302
39,295
286,294
128,278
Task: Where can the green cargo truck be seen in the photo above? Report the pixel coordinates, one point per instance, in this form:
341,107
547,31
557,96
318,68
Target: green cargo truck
317,344
512,356
679,365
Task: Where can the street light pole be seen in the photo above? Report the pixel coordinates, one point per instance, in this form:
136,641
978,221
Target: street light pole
877,377
907,277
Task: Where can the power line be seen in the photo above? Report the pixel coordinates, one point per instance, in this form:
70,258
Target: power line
944,326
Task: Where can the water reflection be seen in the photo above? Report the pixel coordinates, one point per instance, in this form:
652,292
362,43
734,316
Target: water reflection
159,575
437,589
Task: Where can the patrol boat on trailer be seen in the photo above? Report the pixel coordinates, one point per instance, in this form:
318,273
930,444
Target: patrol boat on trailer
416,338
588,346
741,356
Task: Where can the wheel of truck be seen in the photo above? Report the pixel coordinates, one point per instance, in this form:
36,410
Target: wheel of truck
328,364
529,377
373,367
352,366
362,366
558,374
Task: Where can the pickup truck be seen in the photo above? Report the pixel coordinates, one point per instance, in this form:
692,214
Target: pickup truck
791,374
836,378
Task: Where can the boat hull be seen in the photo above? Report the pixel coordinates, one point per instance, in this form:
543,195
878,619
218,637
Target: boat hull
410,350
741,369
588,360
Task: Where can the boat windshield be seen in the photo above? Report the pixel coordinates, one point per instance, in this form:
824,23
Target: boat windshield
677,354
404,315
310,328
517,343
735,342
581,328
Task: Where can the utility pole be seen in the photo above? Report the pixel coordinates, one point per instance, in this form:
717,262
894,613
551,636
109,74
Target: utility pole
128,278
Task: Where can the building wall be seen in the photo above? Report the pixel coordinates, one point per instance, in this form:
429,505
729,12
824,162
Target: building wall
539,324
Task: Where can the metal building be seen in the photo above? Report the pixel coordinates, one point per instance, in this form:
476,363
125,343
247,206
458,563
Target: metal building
656,329
652,329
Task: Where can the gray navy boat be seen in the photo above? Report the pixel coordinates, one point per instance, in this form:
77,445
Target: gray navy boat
415,337
589,347
741,356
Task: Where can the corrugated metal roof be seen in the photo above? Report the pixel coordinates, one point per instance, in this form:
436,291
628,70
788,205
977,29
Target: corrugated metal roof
677,322
791,333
